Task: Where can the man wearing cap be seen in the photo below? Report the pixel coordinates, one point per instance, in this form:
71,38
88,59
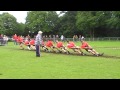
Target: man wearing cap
38,42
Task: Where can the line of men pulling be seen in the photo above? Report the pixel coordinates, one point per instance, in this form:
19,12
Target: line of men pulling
49,46
70,45
30,43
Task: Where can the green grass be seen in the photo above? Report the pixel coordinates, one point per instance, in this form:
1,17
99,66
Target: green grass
22,64
108,47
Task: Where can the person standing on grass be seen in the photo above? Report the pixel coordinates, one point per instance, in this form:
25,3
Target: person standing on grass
38,42
15,37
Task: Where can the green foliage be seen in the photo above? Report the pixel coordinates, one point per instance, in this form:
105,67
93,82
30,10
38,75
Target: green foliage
67,24
2,28
98,22
21,29
41,20
113,22
8,24
87,23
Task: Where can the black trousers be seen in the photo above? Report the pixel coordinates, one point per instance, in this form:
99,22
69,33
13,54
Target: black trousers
37,50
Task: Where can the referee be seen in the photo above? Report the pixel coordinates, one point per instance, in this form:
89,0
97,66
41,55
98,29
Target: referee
38,42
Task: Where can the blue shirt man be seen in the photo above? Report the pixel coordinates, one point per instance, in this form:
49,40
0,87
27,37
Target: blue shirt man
38,42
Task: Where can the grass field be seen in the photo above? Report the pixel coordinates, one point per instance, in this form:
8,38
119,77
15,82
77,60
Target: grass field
22,64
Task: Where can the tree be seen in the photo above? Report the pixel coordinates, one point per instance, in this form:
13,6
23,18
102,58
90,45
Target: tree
1,26
8,23
21,29
87,21
93,22
41,20
67,25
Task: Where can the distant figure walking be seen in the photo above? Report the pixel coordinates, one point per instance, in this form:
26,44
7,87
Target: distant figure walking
62,38
82,38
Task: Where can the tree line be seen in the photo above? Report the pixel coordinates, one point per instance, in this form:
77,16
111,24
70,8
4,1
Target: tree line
86,23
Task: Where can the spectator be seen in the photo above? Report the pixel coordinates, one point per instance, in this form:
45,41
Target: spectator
1,39
54,38
82,38
76,38
62,38
57,37
73,38
5,39
79,37
15,39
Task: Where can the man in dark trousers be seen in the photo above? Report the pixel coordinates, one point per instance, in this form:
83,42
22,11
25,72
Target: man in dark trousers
38,42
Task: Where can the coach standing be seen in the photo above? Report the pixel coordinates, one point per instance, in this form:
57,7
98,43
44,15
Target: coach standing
38,42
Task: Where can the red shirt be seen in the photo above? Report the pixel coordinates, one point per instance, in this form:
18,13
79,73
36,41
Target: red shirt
26,42
84,44
59,44
49,44
15,37
32,42
71,44
20,39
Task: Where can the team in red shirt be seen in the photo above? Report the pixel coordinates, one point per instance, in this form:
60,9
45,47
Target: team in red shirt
71,45
30,43
60,47
89,49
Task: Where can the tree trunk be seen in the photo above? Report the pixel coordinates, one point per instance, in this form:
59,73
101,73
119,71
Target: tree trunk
90,33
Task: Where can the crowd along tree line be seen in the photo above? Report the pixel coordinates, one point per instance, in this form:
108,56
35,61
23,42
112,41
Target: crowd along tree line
86,23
